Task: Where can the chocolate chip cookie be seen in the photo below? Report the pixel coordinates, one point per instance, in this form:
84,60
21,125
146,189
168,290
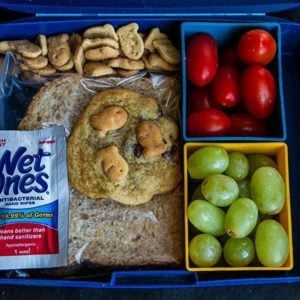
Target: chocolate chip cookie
122,148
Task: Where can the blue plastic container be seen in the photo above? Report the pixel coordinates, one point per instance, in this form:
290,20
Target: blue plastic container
50,18
225,35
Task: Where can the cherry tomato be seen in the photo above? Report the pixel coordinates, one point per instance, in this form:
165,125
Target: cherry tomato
258,90
247,125
257,46
208,122
202,59
200,98
225,86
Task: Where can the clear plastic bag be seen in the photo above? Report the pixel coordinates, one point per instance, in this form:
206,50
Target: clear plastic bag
103,232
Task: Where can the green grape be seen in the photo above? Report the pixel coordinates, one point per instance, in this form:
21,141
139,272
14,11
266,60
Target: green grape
220,190
267,190
260,218
259,160
205,250
244,187
197,194
207,161
206,217
238,167
239,252
241,218
271,243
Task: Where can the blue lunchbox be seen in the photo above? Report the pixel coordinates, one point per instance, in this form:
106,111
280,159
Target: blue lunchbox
181,20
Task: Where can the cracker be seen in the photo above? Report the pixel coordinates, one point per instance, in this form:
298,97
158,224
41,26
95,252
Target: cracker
149,136
153,35
111,118
23,47
127,64
48,70
25,67
66,67
26,48
103,31
79,59
59,52
101,53
97,42
37,63
42,42
27,75
132,44
127,73
154,63
167,51
114,166
5,46
94,69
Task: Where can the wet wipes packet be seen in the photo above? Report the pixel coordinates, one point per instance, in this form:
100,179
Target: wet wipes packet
34,199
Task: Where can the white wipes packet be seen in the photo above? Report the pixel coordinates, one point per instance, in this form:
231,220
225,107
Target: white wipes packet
34,199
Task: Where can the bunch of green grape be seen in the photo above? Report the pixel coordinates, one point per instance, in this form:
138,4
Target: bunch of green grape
234,209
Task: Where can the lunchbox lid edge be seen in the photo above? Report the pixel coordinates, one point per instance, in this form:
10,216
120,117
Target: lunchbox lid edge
132,7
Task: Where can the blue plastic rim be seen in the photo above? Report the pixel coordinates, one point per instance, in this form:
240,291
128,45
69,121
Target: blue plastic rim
224,34
146,7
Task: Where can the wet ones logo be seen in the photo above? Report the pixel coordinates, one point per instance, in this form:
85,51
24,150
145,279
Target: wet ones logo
22,172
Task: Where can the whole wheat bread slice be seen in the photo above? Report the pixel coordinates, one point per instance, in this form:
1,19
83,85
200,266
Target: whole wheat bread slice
60,101
107,233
